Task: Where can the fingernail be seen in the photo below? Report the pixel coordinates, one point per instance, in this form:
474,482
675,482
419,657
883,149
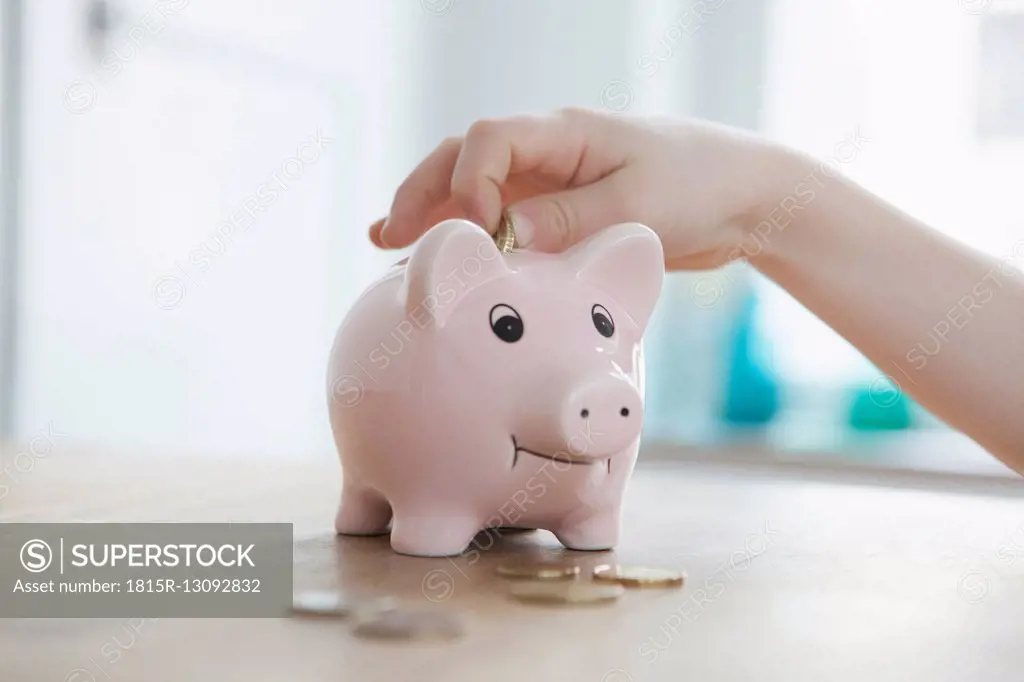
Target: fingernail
524,227
384,231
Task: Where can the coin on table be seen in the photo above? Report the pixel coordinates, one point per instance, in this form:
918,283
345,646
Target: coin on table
565,592
398,624
639,576
538,570
337,605
505,236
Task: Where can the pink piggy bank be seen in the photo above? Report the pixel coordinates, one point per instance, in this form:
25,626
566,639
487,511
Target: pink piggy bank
471,389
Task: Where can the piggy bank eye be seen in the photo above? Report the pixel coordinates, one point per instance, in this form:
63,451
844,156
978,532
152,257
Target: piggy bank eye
602,321
506,323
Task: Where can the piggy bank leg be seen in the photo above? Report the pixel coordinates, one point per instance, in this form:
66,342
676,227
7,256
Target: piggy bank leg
363,511
432,534
594,531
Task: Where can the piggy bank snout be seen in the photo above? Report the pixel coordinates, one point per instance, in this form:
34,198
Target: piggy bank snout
600,417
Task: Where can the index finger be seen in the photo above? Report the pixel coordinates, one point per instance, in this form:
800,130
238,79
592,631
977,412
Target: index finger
495,150
498,160
419,198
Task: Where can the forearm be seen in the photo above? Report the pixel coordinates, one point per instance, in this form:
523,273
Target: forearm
944,321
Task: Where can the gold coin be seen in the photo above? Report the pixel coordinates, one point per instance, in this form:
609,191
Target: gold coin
397,624
540,570
535,592
336,605
639,576
505,236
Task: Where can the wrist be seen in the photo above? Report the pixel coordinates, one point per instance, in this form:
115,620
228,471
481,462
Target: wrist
800,189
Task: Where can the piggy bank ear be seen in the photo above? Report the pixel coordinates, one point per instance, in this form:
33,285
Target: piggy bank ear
449,261
628,262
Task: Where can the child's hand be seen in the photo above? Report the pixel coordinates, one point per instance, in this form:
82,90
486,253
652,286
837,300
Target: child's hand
569,174
943,319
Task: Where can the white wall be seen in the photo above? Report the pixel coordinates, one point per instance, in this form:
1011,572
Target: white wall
134,170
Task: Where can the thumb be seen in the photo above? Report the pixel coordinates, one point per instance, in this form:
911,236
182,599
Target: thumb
554,222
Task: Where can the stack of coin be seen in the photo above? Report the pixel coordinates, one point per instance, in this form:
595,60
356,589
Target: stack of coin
378,618
540,570
550,582
330,604
538,582
639,576
505,236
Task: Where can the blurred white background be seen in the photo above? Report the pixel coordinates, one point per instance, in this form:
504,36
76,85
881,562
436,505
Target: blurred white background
165,301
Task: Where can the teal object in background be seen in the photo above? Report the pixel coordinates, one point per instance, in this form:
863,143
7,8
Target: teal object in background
880,407
752,391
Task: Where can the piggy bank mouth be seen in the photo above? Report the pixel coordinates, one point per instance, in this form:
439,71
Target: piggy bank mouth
560,456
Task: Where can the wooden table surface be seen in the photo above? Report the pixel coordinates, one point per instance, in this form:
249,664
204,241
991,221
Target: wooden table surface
790,578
